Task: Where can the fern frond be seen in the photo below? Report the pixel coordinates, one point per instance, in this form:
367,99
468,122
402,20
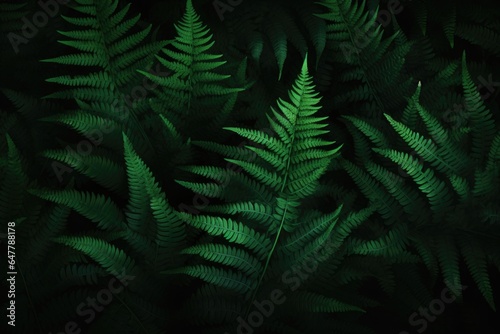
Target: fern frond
97,208
226,255
481,119
111,258
13,185
196,91
435,189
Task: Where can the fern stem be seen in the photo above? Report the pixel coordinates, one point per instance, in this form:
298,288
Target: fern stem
254,294
285,180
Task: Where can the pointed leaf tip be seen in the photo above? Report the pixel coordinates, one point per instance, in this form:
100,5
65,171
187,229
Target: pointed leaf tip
304,64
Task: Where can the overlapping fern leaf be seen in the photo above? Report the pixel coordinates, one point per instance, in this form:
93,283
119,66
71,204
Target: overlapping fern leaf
103,76
151,230
447,189
267,32
104,40
38,260
477,25
197,97
366,66
407,206
253,243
